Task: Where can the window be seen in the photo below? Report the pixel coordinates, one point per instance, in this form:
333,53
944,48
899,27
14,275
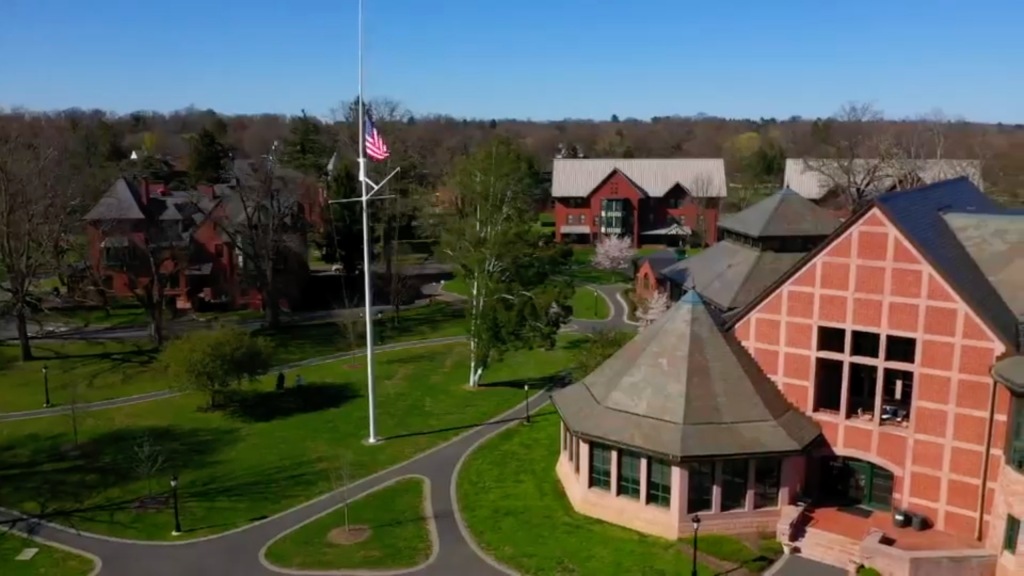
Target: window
566,436
866,344
674,203
1015,451
862,389
218,250
659,483
897,391
647,282
900,349
629,474
701,483
575,451
735,474
828,385
767,474
600,467
831,339
1012,534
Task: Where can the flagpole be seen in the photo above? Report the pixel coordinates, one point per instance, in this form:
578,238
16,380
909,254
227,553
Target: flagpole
367,287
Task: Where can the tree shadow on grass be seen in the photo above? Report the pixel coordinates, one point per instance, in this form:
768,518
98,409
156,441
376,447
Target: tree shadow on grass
141,355
270,405
546,413
556,380
47,477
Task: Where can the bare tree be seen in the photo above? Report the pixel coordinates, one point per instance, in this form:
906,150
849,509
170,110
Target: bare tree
850,142
36,197
148,458
340,477
73,409
264,221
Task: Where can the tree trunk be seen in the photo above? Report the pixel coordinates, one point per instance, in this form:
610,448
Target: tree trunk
271,308
22,324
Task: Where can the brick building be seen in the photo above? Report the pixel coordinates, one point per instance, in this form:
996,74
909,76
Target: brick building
189,237
900,338
668,201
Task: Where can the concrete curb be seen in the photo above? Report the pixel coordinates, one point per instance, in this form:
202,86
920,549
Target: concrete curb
625,309
96,561
428,513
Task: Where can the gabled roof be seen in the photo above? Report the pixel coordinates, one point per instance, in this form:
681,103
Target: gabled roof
701,177
730,274
919,216
812,177
684,389
996,244
660,260
120,202
784,213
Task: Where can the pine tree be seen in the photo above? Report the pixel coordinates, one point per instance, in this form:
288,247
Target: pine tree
306,150
207,157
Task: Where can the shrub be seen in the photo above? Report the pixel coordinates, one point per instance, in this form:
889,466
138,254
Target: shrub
216,361
868,571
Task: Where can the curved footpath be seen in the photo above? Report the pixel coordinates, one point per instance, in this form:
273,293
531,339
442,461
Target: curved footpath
240,552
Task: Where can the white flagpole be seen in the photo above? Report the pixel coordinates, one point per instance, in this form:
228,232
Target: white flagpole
367,287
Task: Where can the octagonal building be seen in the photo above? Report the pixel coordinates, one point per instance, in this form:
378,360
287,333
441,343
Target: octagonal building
682,421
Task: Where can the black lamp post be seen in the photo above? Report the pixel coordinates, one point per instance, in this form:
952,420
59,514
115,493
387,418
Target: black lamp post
174,496
526,396
46,387
696,529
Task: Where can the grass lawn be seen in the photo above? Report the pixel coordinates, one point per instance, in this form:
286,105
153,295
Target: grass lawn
112,369
49,561
120,316
587,304
268,452
515,508
398,537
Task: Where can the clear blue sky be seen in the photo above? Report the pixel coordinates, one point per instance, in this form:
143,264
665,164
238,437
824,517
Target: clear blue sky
540,59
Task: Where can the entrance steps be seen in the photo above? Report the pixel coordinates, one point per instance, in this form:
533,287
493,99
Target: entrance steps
796,531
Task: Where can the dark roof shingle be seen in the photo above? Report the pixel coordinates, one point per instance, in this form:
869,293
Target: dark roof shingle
783,214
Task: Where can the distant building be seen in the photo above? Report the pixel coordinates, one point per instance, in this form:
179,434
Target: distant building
669,201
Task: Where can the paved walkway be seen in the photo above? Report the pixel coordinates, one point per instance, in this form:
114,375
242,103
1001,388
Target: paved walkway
803,566
240,552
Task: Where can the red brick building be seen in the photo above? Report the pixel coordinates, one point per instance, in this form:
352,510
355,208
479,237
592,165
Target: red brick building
668,201
888,336
190,238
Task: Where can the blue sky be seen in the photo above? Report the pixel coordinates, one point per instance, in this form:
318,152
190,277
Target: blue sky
541,59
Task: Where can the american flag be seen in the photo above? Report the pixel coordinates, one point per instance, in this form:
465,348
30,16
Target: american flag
376,148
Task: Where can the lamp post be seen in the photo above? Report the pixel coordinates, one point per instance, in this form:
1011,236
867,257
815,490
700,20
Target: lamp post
526,396
696,529
174,496
46,387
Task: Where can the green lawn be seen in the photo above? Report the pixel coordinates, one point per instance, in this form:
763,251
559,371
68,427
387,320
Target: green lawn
112,369
120,316
49,561
399,536
516,509
268,452
587,304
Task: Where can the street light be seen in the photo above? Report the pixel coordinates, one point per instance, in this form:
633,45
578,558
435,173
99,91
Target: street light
46,387
696,528
174,496
526,395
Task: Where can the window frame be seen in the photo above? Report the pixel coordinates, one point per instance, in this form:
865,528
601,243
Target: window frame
1011,534
627,484
706,472
659,493
730,482
762,490
595,478
1014,453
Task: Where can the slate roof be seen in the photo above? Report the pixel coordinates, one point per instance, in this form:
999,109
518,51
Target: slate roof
730,274
660,260
701,177
119,202
784,213
806,177
684,389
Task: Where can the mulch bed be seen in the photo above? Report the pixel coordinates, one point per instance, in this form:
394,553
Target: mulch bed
347,537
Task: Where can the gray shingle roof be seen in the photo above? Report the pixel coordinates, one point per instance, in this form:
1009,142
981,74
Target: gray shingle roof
120,202
730,274
684,389
784,213
996,244
702,177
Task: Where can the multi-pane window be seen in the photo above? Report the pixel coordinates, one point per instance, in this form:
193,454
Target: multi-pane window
1015,444
767,475
629,474
700,486
659,482
575,451
600,466
735,474
1011,535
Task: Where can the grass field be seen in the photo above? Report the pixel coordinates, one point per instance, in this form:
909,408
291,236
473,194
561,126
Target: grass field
49,561
398,534
587,304
516,509
113,369
266,452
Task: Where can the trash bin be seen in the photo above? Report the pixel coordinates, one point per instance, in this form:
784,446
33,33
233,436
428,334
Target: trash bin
919,522
901,518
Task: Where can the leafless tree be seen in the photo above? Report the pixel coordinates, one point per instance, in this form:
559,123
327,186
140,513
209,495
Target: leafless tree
148,458
37,194
264,221
73,410
850,143
340,477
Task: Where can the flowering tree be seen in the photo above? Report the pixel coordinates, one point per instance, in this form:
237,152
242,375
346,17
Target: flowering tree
653,307
613,252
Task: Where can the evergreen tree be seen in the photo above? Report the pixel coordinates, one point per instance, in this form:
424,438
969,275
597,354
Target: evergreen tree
207,158
306,149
